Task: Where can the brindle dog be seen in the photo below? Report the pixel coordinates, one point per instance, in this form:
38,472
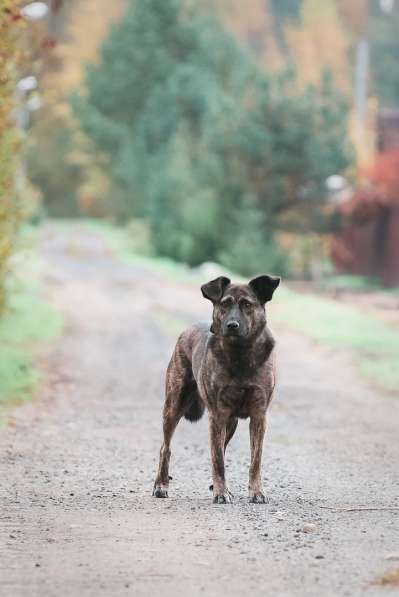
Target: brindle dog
228,368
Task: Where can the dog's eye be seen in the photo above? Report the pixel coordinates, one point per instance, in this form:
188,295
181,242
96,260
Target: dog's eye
246,304
226,304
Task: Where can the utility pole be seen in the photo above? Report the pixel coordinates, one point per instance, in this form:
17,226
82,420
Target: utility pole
361,79
361,83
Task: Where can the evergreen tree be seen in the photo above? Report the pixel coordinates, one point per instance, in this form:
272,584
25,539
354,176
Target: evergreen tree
189,128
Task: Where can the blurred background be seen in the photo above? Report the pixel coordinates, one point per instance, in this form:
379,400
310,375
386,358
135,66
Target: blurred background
262,136
257,137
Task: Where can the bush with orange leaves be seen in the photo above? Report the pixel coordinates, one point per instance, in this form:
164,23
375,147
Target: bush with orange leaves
10,21
379,187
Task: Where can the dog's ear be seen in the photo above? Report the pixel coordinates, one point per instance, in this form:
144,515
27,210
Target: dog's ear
214,289
263,287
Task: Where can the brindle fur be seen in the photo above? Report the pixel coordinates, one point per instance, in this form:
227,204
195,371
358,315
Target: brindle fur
228,368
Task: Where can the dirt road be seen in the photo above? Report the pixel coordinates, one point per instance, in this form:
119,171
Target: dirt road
77,466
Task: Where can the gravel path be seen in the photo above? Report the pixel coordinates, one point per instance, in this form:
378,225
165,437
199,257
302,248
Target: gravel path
77,466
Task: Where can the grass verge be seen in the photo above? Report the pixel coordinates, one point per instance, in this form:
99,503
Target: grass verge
389,579
374,344
27,321
122,246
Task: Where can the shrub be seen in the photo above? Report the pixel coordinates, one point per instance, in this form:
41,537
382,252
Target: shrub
10,212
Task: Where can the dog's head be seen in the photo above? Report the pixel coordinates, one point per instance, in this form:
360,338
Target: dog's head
239,309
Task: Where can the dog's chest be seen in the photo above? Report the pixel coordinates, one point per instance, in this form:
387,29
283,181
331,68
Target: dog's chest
236,399
234,387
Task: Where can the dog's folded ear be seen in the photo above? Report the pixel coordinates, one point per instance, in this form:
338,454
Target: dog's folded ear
263,287
214,289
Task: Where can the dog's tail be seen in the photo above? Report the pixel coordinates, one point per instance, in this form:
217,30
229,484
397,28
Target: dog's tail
195,408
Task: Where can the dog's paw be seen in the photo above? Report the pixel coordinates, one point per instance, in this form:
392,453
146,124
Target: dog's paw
223,498
159,491
257,497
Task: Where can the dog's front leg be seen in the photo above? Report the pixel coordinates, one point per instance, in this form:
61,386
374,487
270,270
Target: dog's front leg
257,428
217,429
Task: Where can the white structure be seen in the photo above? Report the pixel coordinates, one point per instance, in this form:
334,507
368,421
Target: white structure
34,11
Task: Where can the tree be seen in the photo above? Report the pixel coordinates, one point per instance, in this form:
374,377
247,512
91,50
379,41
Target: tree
256,26
384,56
55,162
52,168
248,249
286,10
318,41
189,127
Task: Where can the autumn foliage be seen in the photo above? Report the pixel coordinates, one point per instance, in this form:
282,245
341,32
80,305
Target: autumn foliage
379,187
9,214
384,176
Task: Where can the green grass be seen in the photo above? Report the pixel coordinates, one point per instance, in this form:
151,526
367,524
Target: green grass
122,247
28,321
351,283
374,344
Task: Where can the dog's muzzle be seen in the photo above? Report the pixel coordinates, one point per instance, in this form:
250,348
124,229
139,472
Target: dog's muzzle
232,328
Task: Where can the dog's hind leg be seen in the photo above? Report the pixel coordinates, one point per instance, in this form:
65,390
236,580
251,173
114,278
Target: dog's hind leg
178,387
172,414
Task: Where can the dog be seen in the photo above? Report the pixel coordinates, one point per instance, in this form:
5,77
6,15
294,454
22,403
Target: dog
229,368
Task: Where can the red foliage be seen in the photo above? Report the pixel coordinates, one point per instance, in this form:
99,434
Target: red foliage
384,175
49,43
380,187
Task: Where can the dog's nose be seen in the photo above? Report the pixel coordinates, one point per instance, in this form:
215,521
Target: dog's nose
233,325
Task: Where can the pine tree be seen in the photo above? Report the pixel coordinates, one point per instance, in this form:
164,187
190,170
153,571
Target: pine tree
188,127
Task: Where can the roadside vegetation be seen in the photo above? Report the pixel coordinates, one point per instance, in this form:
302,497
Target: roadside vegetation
25,317
373,344
10,208
27,322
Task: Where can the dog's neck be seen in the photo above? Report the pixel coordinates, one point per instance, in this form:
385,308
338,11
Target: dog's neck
243,354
